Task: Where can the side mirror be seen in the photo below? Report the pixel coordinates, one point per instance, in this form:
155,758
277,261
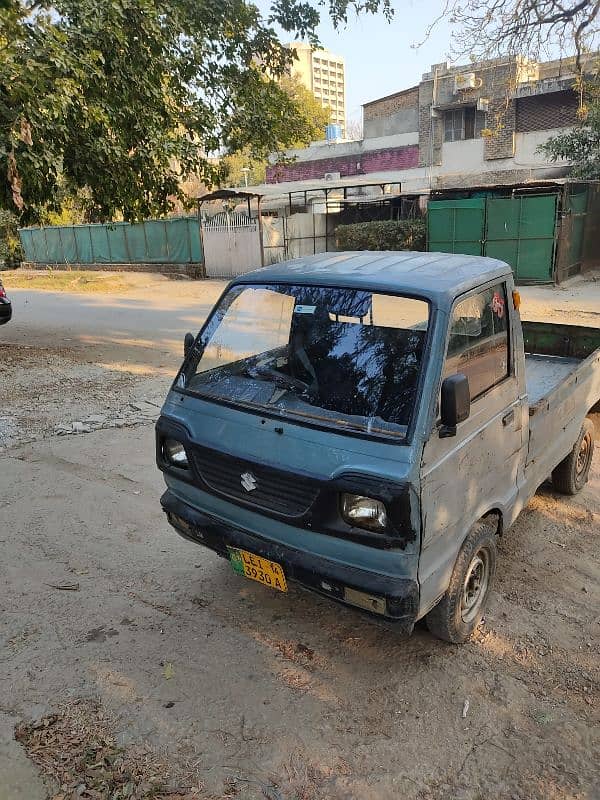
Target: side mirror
188,343
455,404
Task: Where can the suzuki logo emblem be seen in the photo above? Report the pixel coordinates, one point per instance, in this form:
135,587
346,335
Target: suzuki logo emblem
248,481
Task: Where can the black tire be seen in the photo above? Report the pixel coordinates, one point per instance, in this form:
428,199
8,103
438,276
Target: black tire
454,619
572,473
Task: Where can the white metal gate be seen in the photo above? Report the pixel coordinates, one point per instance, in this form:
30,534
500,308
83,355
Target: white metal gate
231,243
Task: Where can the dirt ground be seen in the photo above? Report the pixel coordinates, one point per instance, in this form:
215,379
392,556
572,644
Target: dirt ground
112,626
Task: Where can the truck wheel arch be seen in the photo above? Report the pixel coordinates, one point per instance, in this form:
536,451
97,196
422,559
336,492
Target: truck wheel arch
494,519
494,515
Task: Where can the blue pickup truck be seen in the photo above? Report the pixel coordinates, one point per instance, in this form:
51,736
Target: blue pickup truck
366,425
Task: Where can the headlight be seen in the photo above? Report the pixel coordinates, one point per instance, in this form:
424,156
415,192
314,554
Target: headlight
364,512
174,453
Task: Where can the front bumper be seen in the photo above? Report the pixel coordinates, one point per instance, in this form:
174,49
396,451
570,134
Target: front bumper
326,577
5,312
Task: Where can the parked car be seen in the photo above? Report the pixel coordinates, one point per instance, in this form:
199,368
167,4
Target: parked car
368,424
5,306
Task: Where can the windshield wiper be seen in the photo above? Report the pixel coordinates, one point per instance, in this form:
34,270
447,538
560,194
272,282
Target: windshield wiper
277,377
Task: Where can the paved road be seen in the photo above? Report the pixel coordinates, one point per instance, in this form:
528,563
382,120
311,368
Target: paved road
146,326
143,328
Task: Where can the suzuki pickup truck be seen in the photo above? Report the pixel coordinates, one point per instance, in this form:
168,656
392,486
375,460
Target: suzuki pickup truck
366,425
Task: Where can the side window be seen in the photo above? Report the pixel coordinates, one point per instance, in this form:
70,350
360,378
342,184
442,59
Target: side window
478,341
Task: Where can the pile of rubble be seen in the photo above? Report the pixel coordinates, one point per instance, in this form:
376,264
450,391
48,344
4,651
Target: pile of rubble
48,392
139,413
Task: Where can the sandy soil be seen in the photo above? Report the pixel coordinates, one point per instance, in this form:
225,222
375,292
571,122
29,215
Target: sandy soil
250,693
290,696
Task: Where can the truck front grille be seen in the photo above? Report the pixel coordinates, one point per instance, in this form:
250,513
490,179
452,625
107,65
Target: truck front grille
254,484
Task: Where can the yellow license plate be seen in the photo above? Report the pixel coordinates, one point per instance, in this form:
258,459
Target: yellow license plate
269,573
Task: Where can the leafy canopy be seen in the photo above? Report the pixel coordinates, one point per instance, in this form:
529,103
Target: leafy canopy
314,121
124,99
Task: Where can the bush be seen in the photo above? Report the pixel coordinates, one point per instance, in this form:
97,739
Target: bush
11,254
403,234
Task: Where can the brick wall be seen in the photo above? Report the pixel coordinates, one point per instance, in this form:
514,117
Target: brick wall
191,270
409,98
430,129
396,158
500,119
495,82
545,111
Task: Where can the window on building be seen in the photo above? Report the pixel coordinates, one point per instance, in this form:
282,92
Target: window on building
478,340
463,123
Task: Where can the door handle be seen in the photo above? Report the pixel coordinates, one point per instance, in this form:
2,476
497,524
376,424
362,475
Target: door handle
508,417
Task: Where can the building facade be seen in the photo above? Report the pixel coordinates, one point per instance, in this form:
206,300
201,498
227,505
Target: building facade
325,75
479,124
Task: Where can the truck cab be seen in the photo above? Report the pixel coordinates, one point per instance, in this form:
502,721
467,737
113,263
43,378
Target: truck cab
359,424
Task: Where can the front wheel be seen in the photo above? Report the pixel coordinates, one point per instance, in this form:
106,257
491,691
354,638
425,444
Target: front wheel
461,609
572,473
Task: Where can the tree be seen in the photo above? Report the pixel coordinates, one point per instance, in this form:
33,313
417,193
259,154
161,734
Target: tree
581,145
241,165
311,112
124,99
313,119
489,28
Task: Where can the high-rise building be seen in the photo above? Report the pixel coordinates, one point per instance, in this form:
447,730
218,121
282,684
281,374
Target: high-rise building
324,74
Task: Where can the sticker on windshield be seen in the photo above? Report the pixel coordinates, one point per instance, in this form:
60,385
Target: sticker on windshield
498,304
305,309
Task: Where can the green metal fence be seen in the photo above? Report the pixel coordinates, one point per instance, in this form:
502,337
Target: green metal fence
161,241
519,230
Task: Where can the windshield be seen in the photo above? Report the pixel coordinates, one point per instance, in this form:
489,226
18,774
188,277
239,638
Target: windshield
341,357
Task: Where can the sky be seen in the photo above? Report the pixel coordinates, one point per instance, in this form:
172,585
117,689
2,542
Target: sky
380,57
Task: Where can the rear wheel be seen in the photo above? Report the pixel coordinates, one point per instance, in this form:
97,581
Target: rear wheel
572,473
461,609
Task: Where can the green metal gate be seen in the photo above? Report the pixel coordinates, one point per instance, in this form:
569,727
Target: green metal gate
456,226
570,250
519,230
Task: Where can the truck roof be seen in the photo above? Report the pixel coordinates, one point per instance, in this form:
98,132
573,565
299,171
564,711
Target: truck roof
439,276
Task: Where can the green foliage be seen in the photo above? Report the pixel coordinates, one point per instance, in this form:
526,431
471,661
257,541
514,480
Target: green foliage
311,112
313,119
404,234
235,164
581,145
10,246
125,99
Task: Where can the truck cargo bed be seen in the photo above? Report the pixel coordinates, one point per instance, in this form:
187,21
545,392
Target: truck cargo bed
562,375
552,353
544,373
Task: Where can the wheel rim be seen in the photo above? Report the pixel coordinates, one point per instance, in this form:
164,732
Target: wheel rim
475,586
584,455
